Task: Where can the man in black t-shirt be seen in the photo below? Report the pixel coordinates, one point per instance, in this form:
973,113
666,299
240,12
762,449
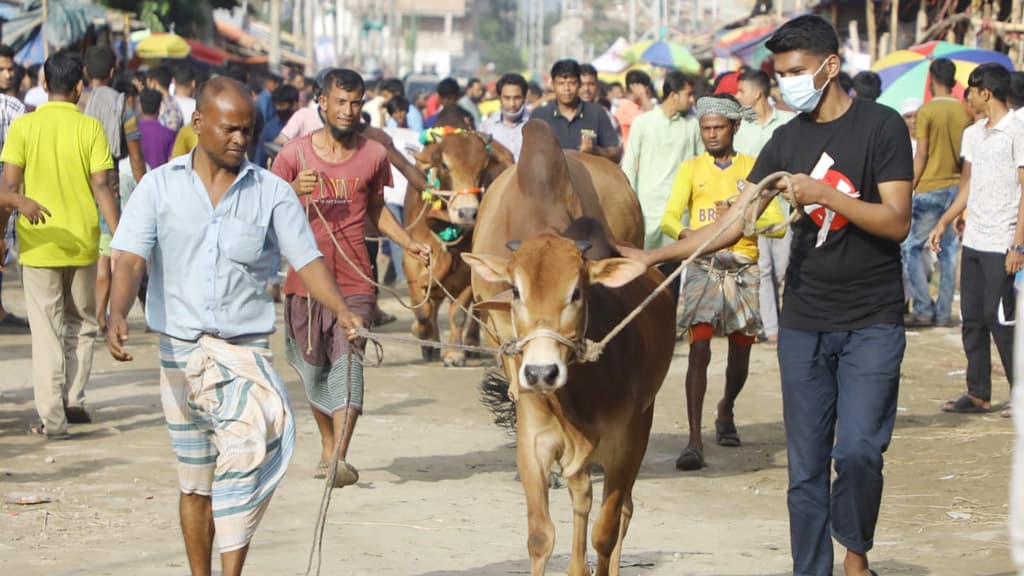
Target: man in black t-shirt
841,340
578,125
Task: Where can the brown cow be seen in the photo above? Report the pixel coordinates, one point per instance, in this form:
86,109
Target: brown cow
463,164
570,412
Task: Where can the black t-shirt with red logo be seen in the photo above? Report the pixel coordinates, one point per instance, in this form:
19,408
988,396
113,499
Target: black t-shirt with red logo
843,278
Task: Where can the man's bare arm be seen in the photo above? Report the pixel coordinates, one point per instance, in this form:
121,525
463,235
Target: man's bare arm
106,199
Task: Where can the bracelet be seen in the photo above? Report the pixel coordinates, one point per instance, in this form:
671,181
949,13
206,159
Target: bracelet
1018,248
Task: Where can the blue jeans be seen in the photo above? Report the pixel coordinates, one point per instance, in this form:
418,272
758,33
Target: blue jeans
927,210
839,393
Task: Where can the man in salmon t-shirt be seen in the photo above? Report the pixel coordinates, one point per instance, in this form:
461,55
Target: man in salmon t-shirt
340,177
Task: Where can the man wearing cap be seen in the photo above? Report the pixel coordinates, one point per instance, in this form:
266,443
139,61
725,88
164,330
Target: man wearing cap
939,126
721,290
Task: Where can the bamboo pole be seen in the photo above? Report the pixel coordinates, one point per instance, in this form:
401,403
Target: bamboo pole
894,26
275,35
42,31
869,11
308,9
922,22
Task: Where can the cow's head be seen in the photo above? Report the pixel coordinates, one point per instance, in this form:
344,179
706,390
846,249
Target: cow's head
548,279
455,164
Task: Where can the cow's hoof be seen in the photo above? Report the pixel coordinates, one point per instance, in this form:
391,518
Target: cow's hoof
430,354
455,361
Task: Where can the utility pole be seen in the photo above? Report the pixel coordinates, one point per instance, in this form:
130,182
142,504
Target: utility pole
275,35
339,30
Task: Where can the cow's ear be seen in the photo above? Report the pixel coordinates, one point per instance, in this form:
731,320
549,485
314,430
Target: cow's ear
497,303
615,272
490,268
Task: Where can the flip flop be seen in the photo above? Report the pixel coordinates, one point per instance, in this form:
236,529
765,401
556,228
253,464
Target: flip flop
690,459
321,470
726,434
1006,412
345,475
964,405
40,430
14,323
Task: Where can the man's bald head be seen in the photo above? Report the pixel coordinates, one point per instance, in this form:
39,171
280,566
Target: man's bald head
224,121
223,87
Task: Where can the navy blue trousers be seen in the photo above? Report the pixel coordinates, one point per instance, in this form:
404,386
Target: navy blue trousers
839,394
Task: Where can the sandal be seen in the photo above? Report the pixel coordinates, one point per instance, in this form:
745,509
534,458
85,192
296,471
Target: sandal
40,430
380,318
690,459
726,434
345,475
321,470
1006,412
964,405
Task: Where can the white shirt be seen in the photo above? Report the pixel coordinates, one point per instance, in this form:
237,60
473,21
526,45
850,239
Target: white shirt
407,142
36,97
995,155
188,106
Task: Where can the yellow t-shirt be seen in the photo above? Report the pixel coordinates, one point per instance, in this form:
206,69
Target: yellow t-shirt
698,185
185,142
59,148
942,122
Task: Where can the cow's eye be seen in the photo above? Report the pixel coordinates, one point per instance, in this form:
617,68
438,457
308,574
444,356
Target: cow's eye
515,293
444,166
576,294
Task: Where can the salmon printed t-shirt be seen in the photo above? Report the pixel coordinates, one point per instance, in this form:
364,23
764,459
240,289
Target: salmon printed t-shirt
342,194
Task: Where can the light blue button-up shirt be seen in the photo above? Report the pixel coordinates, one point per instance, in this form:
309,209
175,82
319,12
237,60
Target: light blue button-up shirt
209,266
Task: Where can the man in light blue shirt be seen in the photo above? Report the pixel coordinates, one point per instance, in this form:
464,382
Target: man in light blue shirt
208,224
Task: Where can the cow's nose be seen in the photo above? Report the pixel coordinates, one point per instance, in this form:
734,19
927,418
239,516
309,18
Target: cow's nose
541,373
467,214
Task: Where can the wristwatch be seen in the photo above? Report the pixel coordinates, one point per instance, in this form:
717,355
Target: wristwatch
1018,248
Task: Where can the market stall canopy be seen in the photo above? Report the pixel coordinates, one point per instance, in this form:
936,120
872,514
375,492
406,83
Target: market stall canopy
67,22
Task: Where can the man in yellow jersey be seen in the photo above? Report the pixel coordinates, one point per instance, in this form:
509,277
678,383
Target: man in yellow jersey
720,291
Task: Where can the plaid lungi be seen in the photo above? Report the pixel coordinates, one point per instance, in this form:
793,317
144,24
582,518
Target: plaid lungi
722,290
231,427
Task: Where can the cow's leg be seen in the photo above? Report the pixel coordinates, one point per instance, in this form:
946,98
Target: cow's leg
424,326
457,319
606,527
582,497
638,447
534,457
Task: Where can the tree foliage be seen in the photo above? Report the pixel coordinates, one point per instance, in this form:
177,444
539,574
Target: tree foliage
188,17
497,35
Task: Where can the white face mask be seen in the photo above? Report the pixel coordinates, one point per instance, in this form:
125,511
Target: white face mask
799,91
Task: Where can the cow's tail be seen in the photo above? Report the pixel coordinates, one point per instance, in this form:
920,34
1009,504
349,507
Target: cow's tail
494,395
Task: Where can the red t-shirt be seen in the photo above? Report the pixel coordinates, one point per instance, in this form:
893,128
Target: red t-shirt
342,196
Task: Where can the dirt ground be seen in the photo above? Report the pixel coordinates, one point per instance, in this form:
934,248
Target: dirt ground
438,494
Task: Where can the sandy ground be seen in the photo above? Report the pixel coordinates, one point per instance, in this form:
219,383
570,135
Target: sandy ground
438,494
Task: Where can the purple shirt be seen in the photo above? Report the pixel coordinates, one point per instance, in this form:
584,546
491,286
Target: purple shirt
157,142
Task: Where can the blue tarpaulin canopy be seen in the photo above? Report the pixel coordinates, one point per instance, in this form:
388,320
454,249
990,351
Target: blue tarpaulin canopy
67,21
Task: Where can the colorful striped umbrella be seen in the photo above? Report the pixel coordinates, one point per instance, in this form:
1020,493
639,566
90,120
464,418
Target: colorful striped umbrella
664,54
905,75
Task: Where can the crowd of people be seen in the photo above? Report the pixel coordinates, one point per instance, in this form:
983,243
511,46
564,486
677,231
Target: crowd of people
184,193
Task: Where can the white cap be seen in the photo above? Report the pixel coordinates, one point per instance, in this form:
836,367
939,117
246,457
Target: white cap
909,106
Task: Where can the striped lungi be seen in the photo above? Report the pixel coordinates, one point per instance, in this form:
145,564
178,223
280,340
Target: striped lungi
318,348
722,290
231,427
